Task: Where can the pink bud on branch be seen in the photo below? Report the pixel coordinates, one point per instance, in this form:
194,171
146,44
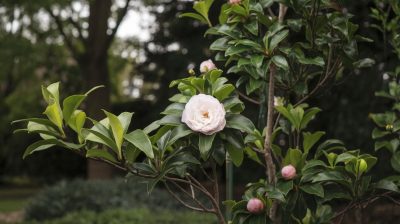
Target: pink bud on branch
288,172
255,206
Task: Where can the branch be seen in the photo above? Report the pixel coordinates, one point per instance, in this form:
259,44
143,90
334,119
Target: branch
193,198
270,116
267,143
121,14
321,83
282,12
78,28
181,201
66,38
271,169
248,98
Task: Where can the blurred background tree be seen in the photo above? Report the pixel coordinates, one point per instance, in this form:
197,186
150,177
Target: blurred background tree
77,41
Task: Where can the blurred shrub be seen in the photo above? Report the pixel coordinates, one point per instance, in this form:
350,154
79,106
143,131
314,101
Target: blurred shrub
133,216
96,196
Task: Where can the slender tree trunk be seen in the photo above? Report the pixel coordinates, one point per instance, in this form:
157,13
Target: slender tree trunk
95,66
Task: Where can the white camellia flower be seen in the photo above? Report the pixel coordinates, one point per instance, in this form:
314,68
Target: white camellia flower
204,114
207,66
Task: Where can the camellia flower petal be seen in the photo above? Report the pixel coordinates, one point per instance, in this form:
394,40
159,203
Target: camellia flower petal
234,1
207,66
288,172
255,206
204,114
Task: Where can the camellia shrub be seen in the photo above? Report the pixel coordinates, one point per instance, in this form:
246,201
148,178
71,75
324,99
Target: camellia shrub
276,54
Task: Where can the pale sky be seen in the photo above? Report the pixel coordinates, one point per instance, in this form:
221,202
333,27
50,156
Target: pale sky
135,24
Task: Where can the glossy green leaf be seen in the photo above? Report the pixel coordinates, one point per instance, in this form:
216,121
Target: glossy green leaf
281,62
70,104
223,92
39,146
101,154
310,139
53,112
314,189
117,130
276,39
205,143
239,122
140,139
125,118
194,16
235,154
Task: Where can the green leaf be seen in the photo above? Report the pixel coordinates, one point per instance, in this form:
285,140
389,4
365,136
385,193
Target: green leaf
318,61
235,154
77,121
202,7
239,122
47,143
151,127
70,104
41,121
314,189
276,39
99,137
178,133
171,120
205,143
54,114
117,130
395,161
364,63
125,118
220,44
234,50
308,116
194,16
285,112
310,139
387,185
223,92
329,176
131,153
140,140
52,92
281,62
257,60
376,133
293,157
39,146
285,186
34,127
102,154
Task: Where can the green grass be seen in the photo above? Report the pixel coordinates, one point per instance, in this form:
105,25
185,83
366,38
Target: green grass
14,199
12,205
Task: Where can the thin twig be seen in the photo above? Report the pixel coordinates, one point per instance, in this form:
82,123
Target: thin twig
248,98
181,201
121,14
193,198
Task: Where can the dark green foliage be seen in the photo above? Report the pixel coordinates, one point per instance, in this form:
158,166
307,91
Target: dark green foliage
96,196
132,216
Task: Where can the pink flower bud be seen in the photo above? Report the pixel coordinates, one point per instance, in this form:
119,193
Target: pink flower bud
288,172
206,66
255,206
234,1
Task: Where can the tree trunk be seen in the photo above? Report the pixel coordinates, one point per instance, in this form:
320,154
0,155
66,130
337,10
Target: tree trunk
95,66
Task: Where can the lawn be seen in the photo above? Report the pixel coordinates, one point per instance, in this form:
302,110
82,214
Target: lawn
15,198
